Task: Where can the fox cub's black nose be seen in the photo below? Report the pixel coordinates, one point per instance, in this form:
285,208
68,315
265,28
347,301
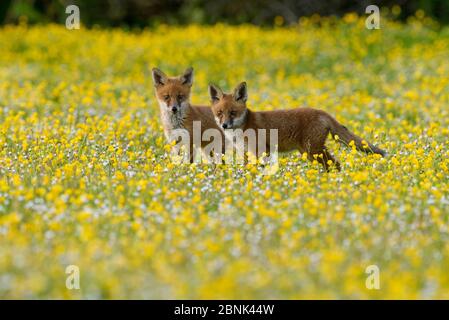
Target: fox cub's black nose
174,109
224,125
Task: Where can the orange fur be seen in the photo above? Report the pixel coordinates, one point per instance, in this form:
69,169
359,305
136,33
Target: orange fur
174,92
303,129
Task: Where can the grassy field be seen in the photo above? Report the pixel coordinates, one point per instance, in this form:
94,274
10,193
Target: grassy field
85,177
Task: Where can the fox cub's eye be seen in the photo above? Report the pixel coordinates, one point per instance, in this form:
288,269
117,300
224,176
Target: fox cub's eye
220,113
180,96
166,97
233,113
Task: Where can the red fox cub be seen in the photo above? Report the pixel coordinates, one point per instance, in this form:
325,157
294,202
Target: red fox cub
173,95
303,129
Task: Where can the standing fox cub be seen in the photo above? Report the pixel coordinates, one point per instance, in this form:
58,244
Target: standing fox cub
173,95
303,129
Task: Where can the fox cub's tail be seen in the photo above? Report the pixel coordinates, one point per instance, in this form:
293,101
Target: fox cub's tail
347,136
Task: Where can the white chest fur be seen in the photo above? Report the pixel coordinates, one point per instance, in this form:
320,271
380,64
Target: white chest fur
240,142
170,120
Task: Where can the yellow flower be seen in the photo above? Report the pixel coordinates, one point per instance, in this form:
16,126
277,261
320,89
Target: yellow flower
87,177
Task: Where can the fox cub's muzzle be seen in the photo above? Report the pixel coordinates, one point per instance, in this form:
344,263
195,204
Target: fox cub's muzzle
174,108
227,124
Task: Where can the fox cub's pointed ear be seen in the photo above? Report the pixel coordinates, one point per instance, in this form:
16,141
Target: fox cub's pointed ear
187,77
241,93
159,78
215,92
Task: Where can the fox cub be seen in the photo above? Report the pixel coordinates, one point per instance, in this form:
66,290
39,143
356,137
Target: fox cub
173,95
303,129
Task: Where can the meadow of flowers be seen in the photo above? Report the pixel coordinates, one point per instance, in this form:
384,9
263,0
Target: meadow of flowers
86,180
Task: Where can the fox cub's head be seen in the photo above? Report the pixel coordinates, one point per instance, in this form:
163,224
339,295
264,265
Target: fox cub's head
173,93
229,109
